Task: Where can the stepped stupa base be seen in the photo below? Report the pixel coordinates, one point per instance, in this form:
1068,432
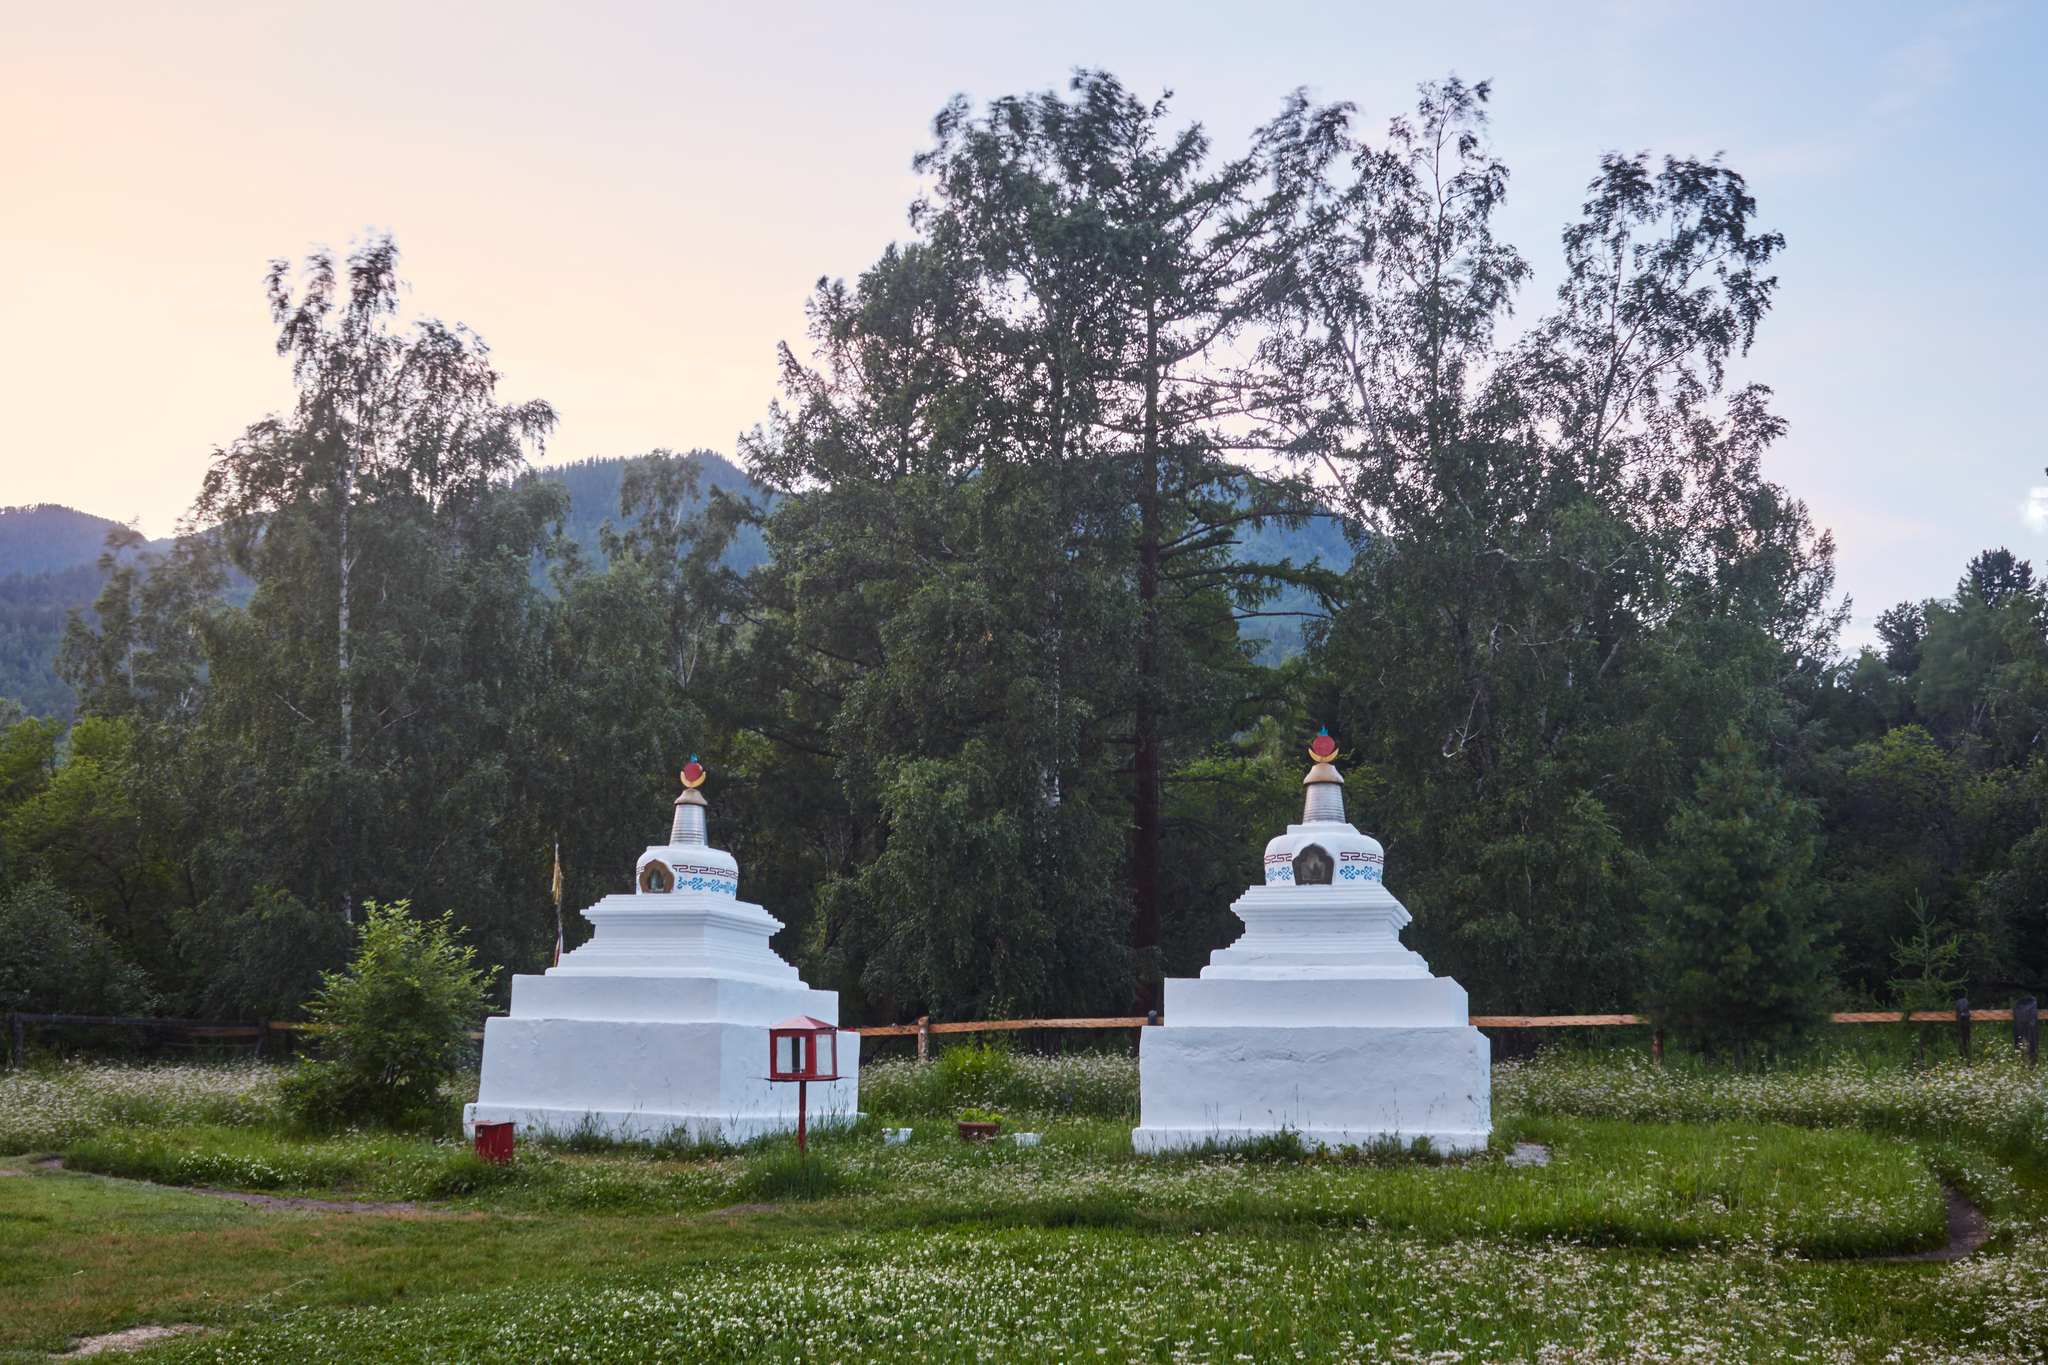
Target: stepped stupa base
1331,1087
641,1081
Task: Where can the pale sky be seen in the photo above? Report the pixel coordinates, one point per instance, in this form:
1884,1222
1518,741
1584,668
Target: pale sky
630,202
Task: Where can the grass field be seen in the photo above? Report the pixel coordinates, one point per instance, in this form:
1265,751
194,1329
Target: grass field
1682,1216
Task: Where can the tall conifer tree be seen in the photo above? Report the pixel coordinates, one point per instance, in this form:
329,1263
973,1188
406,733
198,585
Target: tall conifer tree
1736,950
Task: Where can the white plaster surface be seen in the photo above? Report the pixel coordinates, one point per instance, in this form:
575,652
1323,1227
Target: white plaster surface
658,1026
1317,1020
1333,1086
1294,933
650,1080
678,933
1322,1002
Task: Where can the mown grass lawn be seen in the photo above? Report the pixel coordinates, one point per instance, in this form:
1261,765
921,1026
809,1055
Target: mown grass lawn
1655,1233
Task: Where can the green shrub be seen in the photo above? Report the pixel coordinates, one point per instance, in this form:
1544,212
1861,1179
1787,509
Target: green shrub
980,1116
398,1023
792,1175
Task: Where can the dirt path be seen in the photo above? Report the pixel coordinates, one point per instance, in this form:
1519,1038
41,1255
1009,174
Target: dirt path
274,1201
1967,1230
131,1339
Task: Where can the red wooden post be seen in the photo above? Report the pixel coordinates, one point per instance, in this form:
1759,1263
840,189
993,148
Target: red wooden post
1657,1047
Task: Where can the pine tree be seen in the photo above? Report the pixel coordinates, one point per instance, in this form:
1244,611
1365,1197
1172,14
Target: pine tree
1736,946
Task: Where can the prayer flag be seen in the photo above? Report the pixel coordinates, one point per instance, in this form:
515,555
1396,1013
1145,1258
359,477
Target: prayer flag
558,902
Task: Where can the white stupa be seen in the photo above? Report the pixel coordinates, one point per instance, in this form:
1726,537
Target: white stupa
1317,1020
658,1026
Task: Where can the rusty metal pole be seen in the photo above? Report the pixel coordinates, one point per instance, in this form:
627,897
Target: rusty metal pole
1657,1047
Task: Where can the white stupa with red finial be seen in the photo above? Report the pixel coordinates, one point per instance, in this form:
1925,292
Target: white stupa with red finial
1318,1020
657,1027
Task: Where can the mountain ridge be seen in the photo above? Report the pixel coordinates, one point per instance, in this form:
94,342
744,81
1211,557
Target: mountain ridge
49,556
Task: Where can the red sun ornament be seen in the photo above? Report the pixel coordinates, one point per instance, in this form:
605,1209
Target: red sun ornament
1322,748
693,773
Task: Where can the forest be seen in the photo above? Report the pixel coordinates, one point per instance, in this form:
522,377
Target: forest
996,656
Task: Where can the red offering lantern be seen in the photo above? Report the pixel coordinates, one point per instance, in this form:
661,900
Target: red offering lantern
803,1050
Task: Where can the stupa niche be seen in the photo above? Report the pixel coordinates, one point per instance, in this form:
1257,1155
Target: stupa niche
1317,1020
658,1026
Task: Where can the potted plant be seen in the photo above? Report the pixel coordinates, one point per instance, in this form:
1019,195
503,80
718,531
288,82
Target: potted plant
979,1125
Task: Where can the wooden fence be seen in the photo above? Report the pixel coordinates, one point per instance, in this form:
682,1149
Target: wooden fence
260,1030
2027,1033
2027,1036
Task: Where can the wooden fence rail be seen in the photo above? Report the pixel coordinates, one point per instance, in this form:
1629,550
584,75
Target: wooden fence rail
2026,1032
260,1030
1477,1021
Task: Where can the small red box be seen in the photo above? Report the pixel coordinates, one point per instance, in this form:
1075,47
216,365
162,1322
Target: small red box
494,1142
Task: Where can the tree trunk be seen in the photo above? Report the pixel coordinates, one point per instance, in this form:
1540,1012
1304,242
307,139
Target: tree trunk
348,496
1145,818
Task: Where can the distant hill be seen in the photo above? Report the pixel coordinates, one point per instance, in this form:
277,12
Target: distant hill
594,499
48,565
33,608
1320,539
48,537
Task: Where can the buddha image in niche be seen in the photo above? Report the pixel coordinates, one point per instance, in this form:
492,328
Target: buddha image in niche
1314,866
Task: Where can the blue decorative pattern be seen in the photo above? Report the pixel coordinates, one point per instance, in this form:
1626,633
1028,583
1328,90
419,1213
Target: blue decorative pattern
690,877
695,879
1352,865
1358,866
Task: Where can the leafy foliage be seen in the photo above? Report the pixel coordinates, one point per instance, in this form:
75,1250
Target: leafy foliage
54,961
397,1025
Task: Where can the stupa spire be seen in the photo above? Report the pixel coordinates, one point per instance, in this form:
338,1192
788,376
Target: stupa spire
1323,802
688,827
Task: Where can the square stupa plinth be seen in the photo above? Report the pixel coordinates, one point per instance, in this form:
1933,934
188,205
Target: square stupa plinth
657,1028
1318,1021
